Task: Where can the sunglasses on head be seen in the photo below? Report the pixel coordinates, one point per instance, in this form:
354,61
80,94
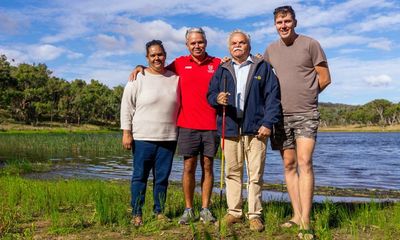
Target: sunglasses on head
286,8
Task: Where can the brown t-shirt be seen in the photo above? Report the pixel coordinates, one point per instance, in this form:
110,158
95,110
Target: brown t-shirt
295,68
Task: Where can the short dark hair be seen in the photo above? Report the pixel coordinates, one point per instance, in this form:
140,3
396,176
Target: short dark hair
152,43
284,10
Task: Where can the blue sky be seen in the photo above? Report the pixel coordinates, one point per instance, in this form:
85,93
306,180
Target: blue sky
104,39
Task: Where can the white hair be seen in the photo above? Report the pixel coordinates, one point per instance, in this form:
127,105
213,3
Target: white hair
195,30
247,36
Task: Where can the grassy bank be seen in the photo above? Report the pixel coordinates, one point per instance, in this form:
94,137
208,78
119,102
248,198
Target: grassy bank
44,146
360,128
55,127
89,209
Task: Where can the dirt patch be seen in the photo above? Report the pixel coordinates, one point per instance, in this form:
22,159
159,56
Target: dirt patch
42,230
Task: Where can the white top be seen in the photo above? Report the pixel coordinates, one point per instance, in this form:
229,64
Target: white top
242,73
150,106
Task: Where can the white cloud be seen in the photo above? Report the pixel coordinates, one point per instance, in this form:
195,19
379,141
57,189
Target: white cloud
234,9
70,26
378,81
334,41
36,53
111,73
14,56
356,81
141,32
349,50
108,42
383,44
12,22
379,23
261,33
311,16
45,52
111,77
337,40
109,38
74,55
173,38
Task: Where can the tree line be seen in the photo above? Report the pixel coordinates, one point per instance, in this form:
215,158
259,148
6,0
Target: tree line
377,112
30,94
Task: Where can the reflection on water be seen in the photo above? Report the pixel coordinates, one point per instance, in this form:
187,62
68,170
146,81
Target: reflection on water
354,160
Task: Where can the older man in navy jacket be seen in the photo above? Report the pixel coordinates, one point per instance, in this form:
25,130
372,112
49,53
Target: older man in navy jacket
249,90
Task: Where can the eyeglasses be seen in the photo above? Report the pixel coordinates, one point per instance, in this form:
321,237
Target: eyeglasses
286,8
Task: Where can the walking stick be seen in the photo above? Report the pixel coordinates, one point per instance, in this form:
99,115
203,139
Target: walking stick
221,185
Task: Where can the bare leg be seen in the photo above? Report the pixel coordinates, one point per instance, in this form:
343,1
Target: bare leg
188,179
207,180
305,149
292,182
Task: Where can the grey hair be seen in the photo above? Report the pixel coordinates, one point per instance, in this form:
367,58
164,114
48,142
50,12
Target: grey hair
195,30
247,36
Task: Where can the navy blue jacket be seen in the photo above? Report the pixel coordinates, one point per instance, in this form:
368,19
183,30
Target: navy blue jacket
262,105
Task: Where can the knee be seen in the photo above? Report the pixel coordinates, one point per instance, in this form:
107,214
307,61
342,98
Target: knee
234,172
305,165
139,175
208,167
290,166
189,168
161,178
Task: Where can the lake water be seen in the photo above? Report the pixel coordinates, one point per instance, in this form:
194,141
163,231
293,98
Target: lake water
345,160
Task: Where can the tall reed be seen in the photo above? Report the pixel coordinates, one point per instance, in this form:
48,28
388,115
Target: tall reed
44,146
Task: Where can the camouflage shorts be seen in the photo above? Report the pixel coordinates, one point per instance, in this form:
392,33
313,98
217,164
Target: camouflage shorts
285,133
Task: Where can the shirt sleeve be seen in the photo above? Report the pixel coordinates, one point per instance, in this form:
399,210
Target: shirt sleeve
266,56
272,109
317,53
128,104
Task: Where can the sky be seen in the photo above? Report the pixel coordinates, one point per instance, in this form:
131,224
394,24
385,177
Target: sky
105,39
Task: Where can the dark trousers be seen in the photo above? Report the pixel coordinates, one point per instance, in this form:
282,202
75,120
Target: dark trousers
156,156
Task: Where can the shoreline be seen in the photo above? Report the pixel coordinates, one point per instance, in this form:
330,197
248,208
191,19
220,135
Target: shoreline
360,128
328,191
343,192
56,127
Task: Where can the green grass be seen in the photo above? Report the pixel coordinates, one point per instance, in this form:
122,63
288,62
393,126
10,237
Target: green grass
23,166
87,207
36,147
44,209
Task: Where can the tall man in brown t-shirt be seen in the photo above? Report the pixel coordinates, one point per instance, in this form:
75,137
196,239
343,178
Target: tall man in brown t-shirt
301,67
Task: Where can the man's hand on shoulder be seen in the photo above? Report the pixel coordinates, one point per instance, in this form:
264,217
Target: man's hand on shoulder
225,59
136,71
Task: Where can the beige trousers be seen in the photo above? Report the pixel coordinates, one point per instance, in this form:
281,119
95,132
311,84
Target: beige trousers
238,150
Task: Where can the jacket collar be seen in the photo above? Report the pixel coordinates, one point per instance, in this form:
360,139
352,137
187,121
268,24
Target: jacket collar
255,60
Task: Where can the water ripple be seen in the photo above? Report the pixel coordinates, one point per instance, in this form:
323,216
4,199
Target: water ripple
357,160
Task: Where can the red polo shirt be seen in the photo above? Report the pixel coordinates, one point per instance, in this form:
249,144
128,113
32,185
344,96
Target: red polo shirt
195,112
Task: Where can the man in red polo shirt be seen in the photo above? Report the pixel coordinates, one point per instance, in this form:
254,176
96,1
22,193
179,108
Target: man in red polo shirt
196,121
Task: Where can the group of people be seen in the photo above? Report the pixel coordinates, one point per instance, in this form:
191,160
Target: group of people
197,99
